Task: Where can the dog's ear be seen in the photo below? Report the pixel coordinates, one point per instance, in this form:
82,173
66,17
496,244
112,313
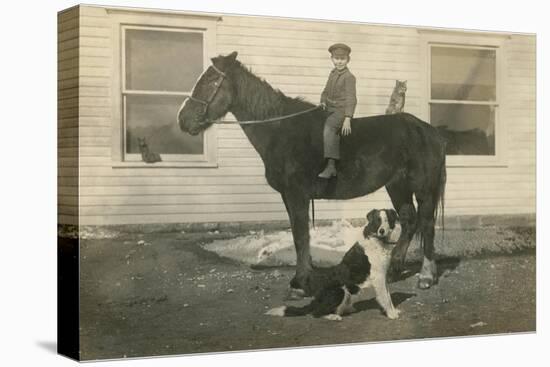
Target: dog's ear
392,217
371,226
371,215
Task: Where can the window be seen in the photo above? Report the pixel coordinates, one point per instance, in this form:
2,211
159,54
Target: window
160,60
463,97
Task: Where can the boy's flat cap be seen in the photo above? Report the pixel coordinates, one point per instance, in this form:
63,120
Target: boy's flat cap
339,49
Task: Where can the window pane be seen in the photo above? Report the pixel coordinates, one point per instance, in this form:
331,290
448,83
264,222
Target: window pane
463,74
162,60
468,129
154,118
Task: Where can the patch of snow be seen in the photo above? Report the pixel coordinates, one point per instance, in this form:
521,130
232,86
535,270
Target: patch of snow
328,244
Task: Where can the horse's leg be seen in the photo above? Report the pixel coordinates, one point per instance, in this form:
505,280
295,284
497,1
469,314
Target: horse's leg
402,200
297,206
426,219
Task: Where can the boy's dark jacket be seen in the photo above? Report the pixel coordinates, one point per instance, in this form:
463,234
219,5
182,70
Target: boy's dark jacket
340,91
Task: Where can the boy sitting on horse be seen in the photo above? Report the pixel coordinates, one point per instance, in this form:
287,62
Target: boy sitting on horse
339,98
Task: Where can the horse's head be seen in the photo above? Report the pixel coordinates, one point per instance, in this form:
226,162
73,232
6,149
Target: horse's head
211,96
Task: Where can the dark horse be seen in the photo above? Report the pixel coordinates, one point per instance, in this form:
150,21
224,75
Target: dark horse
400,152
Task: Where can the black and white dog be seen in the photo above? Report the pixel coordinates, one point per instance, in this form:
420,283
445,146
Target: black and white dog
364,265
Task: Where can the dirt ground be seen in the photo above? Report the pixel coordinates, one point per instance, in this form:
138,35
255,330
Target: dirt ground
160,294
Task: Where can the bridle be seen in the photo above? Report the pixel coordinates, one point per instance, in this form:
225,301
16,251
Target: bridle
217,84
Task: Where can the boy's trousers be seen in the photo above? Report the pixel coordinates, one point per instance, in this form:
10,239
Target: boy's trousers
331,132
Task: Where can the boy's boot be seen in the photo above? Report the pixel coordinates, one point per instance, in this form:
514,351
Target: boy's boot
330,169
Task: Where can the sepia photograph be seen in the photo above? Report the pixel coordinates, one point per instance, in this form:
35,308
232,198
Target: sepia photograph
231,182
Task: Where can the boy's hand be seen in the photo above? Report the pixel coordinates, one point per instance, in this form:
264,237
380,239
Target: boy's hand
323,105
346,127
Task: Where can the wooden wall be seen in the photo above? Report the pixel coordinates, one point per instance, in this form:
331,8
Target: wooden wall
68,29
291,55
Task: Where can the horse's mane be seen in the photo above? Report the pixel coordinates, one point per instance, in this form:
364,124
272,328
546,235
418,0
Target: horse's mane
262,100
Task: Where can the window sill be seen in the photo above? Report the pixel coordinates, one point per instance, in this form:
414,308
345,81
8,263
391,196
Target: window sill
475,161
141,164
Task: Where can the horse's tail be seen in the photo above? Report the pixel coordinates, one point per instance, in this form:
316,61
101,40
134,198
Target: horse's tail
439,193
438,198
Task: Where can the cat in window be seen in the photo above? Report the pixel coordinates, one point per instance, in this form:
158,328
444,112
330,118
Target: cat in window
146,155
397,99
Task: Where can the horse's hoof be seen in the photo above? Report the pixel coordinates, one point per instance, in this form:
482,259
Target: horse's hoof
425,283
295,294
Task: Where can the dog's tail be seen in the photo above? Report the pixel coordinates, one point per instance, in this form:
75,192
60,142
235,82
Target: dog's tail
290,311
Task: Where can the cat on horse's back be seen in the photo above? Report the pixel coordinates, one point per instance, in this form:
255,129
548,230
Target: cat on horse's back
397,99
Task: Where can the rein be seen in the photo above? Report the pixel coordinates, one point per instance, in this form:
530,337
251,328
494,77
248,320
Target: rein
272,119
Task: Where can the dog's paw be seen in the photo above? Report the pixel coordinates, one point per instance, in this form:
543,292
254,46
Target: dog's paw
393,313
277,311
333,317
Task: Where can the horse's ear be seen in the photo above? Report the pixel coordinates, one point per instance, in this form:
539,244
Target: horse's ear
224,62
230,59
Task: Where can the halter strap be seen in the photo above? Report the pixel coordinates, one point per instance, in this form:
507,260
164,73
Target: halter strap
217,84
197,100
218,70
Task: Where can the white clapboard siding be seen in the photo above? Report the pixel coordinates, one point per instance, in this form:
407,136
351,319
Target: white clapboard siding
265,207
233,197
67,109
292,56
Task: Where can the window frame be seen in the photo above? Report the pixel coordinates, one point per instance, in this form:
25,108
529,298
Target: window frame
474,40
123,20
